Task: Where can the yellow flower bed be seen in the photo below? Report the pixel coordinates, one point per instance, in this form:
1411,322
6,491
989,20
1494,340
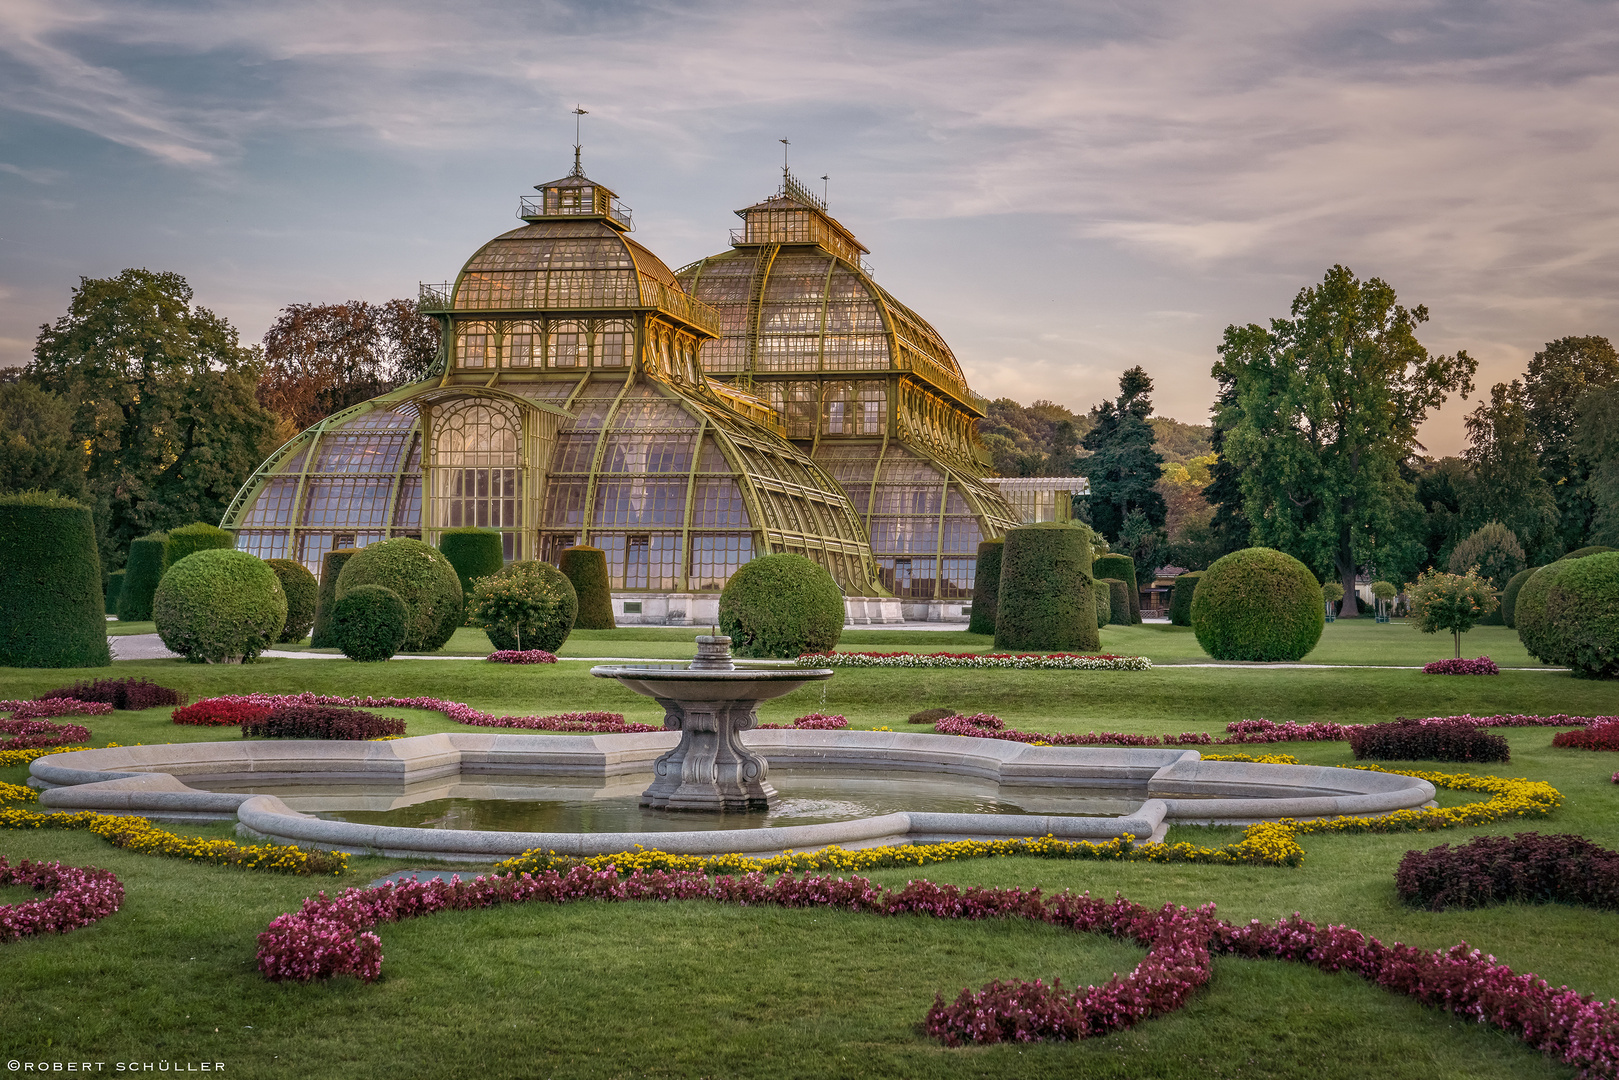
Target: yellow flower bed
8,758
17,793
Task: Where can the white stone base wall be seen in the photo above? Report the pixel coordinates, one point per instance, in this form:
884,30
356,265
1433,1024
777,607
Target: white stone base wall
702,609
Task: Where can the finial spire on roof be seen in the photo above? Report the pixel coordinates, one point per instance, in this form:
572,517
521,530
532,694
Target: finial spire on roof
784,145
578,169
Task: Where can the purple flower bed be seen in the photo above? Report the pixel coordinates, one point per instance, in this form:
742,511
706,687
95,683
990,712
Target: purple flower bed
329,937
521,656
79,897
1420,740
1599,736
1483,665
813,722
1528,868
39,710
601,723
131,693
989,726
39,734
1503,720
321,722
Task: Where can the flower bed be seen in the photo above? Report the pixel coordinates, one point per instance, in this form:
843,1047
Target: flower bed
18,734
218,712
1528,868
321,722
1264,731
521,656
813,722
601,723
79,897
1482,665
989,726
1417,740
10,758
40,710
126,694
1603,735
1059,661
17,793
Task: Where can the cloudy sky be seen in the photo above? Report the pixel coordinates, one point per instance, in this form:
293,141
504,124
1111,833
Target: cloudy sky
1063,189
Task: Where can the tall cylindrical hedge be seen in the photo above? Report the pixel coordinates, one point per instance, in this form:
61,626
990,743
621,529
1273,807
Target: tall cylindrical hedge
1045,600
303,593
586,567
148,558
1118,600
115,586
1180,598
201,536
781,606
1258,604
51,608
475,553
986,587
1124,568
1104,605
1509,596
320,637
1582,616
424,580
219,606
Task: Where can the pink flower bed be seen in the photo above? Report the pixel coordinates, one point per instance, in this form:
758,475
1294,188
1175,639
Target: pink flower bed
1264,731
79,897
329,937
813,722
39,710
989,726
600,723
521,656
39,734
1483,665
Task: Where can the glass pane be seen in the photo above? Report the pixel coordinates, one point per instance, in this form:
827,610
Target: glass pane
715,557
274,504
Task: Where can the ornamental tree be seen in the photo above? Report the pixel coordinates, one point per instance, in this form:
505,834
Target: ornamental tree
1453,602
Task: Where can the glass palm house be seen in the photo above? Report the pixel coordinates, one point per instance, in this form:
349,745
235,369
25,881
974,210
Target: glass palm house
770,398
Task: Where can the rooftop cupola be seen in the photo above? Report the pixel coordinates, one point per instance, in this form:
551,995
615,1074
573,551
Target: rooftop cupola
575,196
795,215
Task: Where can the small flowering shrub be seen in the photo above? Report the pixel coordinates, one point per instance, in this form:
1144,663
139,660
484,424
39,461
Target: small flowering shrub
988,726
39,710
321,722
1483,665
130,694
78,898
1059,661
813,722
521,656
38,734
1415,740
1528,868
216,712
1602,735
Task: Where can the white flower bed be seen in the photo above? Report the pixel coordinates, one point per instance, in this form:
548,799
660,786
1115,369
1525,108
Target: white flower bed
1057,661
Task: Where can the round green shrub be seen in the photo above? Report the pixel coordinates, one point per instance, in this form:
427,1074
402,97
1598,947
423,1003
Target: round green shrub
369,623
986,587
527,605
189,539
148,558
1494,549
1118,600
219,606
302,590
1594,549
1509,596
1104,604
51,608
1258,604
475,553
331,565
1582,616
1046,599
1123,568
115,585
424,580
1180,598
781,606
586,567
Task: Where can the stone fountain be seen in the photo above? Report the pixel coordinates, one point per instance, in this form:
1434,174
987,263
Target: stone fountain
710,702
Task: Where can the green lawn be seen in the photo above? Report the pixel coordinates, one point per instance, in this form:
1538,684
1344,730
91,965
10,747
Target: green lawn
694,989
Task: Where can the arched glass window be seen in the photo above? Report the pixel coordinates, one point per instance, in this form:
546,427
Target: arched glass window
568,346
477,470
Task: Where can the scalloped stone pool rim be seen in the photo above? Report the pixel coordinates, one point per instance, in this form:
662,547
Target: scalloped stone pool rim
169,782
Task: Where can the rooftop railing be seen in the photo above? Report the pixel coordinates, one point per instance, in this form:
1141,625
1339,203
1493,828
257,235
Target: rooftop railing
530,207
652,293
435,299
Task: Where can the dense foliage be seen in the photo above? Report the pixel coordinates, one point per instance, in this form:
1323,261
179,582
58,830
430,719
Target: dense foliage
1581,627
1123,467
331,567
369,623
527,605
219,606
1426,740
986,587
1452,603
1104,603
199,536
322,722
148,558
1258,604
1509,596
1123,568
38,450
1180,597
52,613
1045,597
1528,868
303,593
115,588
424,580
1494,550
781,606
475,553
586,567
1118,600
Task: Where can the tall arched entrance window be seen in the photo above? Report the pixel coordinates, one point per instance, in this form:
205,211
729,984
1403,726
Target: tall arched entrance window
476,464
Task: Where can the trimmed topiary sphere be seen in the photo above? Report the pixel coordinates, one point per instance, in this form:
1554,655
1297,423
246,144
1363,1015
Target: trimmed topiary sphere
1104,604
1124,568
1046,599
1529,610
1509,596
1118,600
331,565
475,553
115,585
303,592
369,623
1258,604
189,539
527,605
1594,549
1582,616
986,587
51,608
781,606
148,558
586,567
219,606
1180,598
424,580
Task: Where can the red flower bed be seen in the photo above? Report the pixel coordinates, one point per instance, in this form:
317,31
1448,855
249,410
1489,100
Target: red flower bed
1528,869
521,656
1600,736
218,712
131,693
322,722
989,726
79,897
1483,665
1419,740
813,722
38,734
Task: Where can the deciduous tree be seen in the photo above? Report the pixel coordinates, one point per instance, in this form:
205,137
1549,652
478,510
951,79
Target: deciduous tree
1559,375
1506,483
38,448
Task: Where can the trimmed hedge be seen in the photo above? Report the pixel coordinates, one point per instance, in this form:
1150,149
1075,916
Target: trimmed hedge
475,553
1180,598
219,606
1104,604
303,592
369,623
1530,612
1425,740
1524,869
1509,596
424,580
1582,616
322,722
115,585
331,565
148,558
1118,600
52,613
986,587
527,605
1258,604
1123,568
190,539
1046,599
586,567
1594,549
781,606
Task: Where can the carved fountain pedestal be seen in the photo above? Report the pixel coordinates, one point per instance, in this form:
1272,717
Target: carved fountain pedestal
710,702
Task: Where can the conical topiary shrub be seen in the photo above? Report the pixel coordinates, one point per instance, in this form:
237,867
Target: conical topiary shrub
475,553
303,594
986,587
586,567
51,608
1104,605
1118,599
115,586
1124,568
148,558
1045,600
1180,598
320,637
424,580
199,537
